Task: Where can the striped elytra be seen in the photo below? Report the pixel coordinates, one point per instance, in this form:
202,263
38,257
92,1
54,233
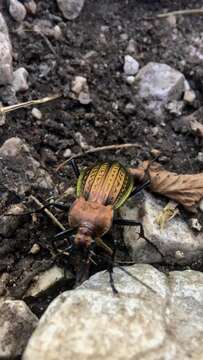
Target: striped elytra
105,183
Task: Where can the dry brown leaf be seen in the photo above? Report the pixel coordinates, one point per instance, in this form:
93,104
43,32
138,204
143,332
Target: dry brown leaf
185,189
197,127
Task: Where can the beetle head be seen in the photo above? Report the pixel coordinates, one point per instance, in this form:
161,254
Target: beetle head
83,237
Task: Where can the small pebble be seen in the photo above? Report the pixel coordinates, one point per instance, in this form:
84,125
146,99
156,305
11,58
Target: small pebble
31,7
195,224
130,79
131,48
175,107
130,108
67,153
84,98
78,84
179,254
20,80
155,152
200,157
17,10
81,141
36,113
70,8
131,66
189,96
163,159
35,249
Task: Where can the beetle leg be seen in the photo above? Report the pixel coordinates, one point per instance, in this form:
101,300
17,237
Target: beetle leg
126,222
64,233
75,167
139,188
60,206
110,270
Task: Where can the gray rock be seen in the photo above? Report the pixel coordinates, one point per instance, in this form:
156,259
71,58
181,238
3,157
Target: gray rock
31,7
131,66
70,8
174,240
91,323
81,141
189,96
159,84
45,27
20,80
46,280
130,79
67,153
6,69
131,48
175,107
17,323
81,89
200,157
8,224
36,113
195,224
17,10
19,171
79,84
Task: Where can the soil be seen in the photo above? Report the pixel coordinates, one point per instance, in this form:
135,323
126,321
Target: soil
103,28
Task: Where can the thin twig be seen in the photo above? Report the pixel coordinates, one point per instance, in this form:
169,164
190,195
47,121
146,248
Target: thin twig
52,217
181,12
48,43
98,149
102,244
6,109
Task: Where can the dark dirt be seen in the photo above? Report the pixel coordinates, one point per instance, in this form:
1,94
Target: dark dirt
106,120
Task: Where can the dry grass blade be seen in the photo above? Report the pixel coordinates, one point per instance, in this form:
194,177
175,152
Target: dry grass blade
6,109
99,149
48,212
181,12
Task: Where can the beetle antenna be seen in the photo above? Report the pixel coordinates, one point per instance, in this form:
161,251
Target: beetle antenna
115,264
134,277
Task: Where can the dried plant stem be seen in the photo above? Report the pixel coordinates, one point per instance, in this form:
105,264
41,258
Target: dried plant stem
49,213
6,109
181,12
99,149
102,244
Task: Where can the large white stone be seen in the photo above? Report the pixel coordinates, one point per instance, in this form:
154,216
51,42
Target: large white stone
92,323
